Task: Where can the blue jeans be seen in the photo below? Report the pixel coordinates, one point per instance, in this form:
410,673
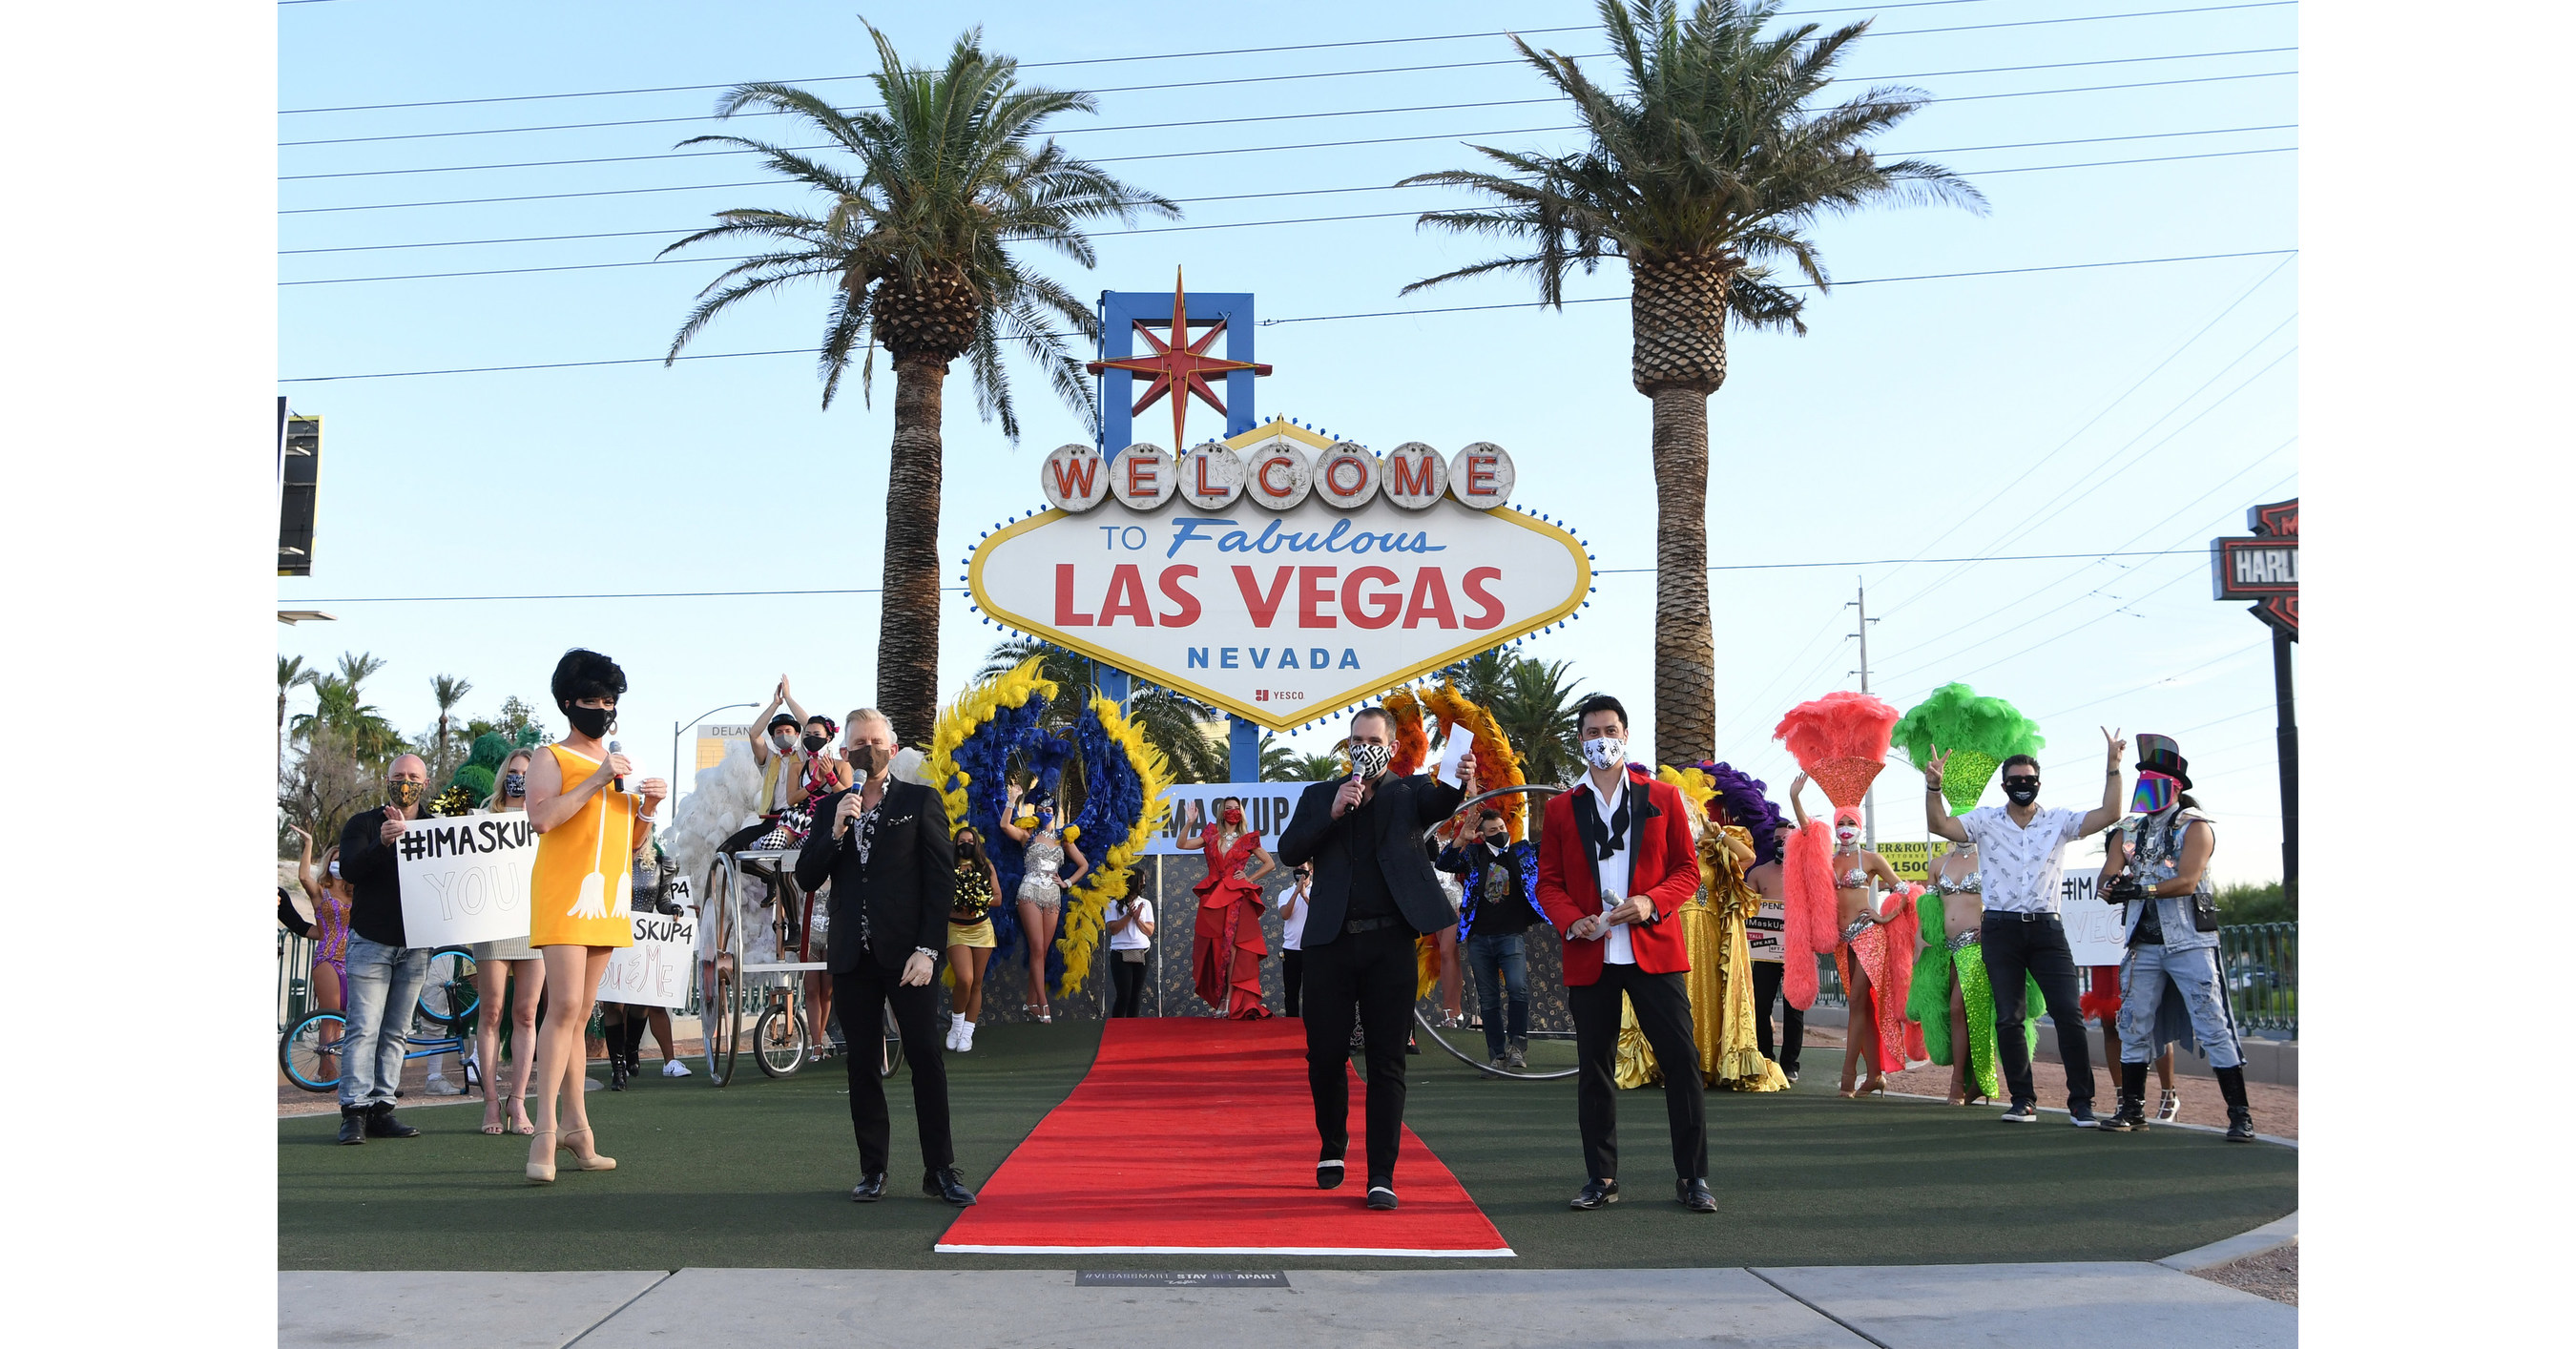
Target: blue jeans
383,993
1500,953
2194,972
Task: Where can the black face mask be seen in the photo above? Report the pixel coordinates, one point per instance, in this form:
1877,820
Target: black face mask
2021,791
404,794
814,743
867,758
591,722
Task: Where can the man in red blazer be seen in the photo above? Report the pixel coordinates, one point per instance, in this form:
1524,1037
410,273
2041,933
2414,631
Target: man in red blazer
1615,862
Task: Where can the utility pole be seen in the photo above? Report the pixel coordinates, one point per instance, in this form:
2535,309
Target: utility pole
1869,803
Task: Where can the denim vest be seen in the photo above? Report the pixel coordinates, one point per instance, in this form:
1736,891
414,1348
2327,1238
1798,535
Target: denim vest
2153,855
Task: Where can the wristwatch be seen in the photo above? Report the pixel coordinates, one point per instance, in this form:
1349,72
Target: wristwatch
925,951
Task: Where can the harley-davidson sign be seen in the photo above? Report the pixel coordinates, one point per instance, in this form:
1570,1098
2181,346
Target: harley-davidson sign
1191,578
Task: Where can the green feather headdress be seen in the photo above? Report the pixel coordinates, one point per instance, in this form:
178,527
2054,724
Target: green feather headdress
1977,733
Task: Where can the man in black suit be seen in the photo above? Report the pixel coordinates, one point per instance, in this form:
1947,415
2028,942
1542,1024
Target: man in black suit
1374,893
885,847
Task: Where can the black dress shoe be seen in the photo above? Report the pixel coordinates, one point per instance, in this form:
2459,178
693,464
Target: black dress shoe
353,1125
1328,1175
870,1189
1381,1196
945,1183
382,1124
1595,1194
1694,1195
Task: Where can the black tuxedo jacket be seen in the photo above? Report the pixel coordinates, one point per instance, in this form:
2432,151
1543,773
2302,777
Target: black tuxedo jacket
1409,805
907,885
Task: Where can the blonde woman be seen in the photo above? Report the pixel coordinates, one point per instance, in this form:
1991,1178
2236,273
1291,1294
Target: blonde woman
498,967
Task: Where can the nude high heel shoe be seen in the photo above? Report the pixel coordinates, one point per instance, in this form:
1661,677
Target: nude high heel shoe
543,1173
591,1162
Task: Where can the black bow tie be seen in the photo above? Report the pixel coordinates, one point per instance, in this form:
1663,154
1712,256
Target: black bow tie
1617,835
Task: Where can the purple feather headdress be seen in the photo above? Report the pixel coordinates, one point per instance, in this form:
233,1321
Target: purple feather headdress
1741,794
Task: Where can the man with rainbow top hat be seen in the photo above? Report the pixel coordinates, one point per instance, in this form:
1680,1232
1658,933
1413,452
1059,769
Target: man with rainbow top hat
2171,927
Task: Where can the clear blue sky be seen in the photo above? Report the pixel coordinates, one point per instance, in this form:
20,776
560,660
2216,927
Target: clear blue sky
2067,412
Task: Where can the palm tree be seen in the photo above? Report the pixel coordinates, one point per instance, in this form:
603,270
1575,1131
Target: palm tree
447,691
290,674
1282,763
1535,708
1481,678
916,245
339,707
1711,168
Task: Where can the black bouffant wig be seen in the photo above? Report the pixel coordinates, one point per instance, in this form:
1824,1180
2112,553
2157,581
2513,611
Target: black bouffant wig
584,673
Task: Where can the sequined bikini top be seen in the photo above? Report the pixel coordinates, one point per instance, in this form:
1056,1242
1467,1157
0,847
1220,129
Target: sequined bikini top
1974,883
1854,879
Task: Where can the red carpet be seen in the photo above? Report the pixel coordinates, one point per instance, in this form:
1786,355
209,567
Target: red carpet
1107,1170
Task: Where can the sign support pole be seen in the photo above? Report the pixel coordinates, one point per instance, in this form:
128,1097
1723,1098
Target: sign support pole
2289,755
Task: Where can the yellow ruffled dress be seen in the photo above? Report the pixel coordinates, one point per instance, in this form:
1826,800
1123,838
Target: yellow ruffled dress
1720,981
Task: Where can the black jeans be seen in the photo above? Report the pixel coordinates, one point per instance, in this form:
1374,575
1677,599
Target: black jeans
1128,977
1664,1013
859,997
1372,972
1793,1023
1292,970
2012,950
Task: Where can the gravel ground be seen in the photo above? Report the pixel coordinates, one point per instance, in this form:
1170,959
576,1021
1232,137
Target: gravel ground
294,1101
2273,1274
2276,1108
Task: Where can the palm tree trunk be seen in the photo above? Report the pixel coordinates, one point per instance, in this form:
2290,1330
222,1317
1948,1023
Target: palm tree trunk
908,632
1685,648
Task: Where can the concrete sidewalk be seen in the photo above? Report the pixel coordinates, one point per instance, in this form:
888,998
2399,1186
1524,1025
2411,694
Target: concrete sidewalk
1841,1307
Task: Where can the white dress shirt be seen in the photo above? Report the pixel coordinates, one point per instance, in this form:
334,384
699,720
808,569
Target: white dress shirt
2021,864
1614,870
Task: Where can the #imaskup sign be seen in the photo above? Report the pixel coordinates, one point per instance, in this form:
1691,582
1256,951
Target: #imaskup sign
464,878
1279,575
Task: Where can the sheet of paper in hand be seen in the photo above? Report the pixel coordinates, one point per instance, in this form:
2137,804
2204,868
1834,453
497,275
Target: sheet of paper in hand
1451,751
464,878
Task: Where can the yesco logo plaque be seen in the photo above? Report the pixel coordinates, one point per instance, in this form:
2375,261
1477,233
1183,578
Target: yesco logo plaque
1279,575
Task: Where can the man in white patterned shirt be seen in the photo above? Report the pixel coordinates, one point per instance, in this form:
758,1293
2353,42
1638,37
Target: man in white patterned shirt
2021,848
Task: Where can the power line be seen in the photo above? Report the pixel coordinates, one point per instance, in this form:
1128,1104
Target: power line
1145,126
1261,51
1183,199
1229,121
1203,84
1311,318
2016,479
878,590
1185,229
2037,516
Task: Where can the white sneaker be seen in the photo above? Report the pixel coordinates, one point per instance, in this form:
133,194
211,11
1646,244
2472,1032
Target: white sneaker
675,1068
966,1037
438,1085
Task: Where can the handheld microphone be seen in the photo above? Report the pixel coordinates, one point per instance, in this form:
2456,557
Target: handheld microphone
617,783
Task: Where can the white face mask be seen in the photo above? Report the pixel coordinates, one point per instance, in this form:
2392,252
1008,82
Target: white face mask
1847,836
1604,751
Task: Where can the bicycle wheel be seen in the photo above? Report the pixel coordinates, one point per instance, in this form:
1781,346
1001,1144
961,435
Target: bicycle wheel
725,1040
778,1041
448,997
891,1057
306,1053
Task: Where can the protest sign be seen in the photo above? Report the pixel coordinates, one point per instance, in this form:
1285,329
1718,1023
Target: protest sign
1762,931
1267,807
2093,928
656,970
464,878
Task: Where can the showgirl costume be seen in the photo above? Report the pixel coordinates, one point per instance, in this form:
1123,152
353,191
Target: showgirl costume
578,889
1039,883
1978,734
1720,980
1841,741
970,921
1226,946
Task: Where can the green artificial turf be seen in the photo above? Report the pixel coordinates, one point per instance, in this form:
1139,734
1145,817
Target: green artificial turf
758,1175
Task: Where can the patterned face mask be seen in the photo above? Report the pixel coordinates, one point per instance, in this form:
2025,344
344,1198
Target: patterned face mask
1368,761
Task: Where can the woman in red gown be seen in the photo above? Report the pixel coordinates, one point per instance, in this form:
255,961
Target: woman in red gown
1226,946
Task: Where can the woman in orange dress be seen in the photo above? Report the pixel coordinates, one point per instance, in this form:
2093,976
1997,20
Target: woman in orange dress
1226,946
588,832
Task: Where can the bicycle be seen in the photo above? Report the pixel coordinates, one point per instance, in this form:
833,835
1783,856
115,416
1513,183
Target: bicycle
782,1036
448,999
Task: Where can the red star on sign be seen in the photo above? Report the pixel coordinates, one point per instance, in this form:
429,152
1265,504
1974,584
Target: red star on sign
1180,367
